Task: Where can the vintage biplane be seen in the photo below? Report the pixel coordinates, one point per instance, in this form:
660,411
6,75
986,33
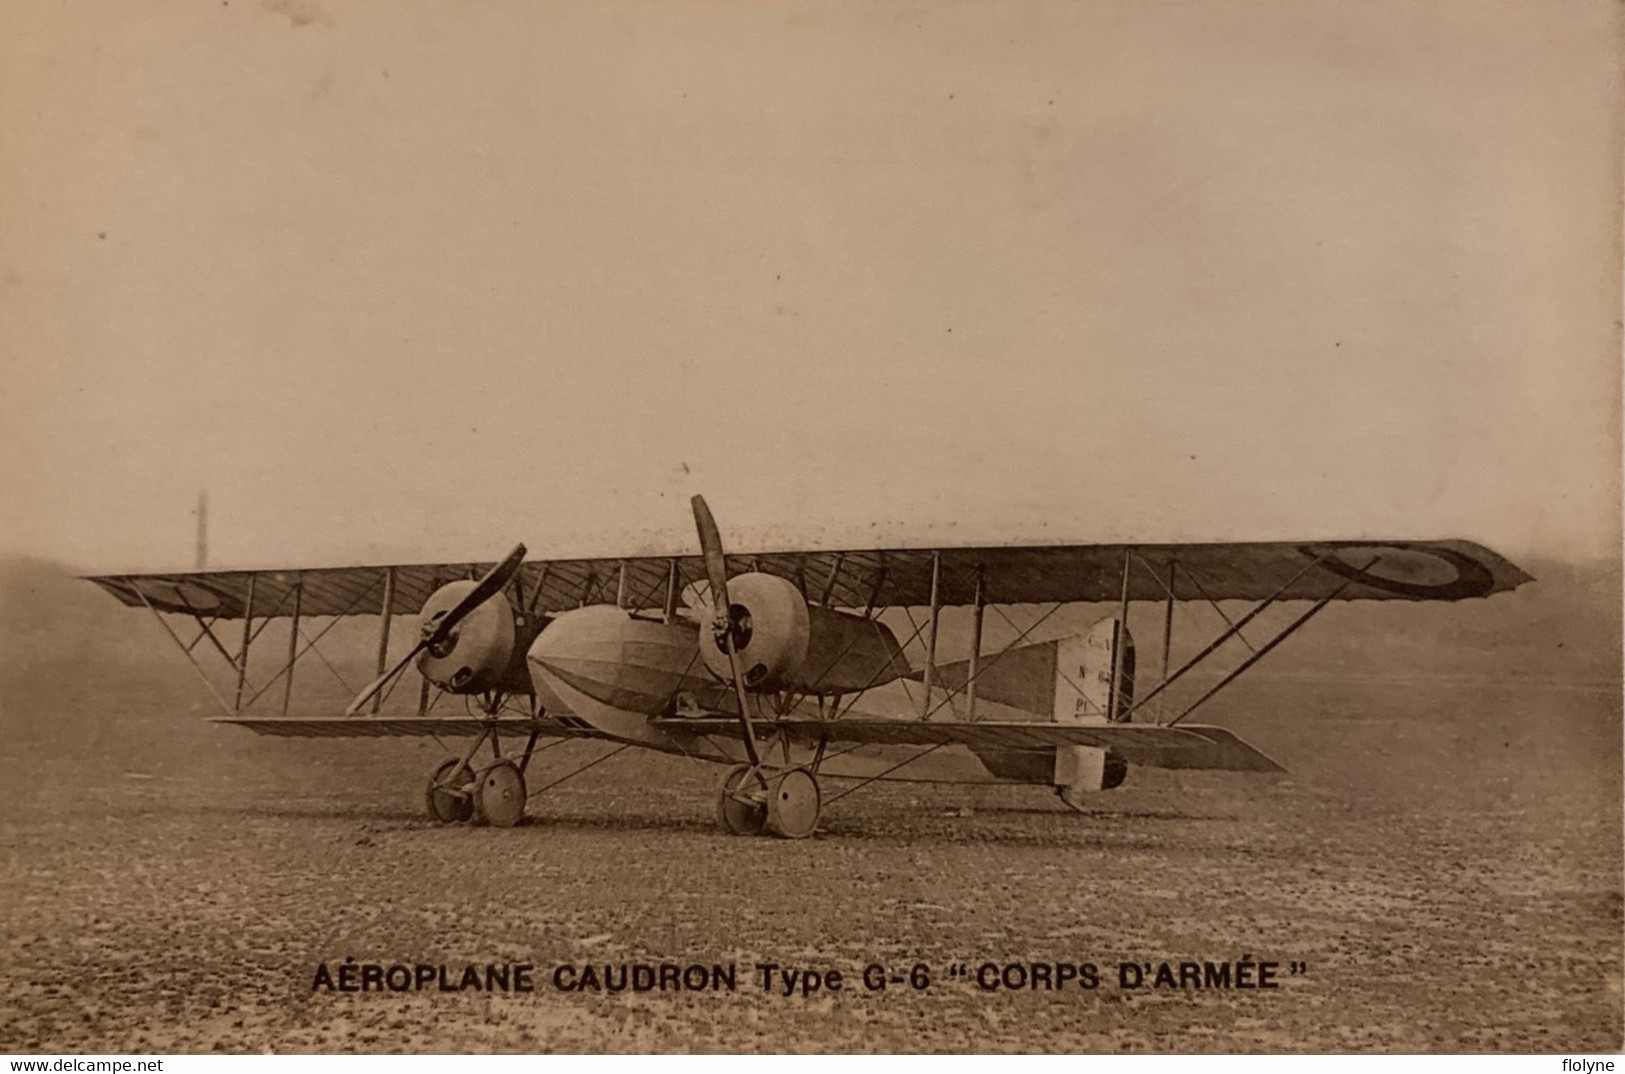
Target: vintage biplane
785,665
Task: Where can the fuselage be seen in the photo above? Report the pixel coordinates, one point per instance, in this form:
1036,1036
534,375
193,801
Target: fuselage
621,673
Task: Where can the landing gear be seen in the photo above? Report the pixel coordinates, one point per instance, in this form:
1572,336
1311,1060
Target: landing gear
742,800
496,797
753,800
499,799
793,802
462,789
447,797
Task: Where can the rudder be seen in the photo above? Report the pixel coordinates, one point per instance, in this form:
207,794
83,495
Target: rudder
1088,686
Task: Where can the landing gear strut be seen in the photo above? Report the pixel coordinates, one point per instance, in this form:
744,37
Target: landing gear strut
494,793
742,800
754,799
447,797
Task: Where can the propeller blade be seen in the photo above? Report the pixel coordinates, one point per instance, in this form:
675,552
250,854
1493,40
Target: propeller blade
383,680
716,572
716,562
748,732
490,584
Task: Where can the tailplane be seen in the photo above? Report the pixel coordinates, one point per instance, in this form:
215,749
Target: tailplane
1087,680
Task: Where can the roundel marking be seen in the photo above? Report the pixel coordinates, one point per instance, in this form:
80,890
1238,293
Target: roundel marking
184,595
1416,571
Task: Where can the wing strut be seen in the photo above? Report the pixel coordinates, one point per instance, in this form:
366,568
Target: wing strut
1235,628
1168,622
387,614
248,638
1120,636
293,642
1259,655
931,636
978,607
185,649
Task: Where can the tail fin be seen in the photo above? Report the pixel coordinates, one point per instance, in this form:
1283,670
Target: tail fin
1094,682
1068,680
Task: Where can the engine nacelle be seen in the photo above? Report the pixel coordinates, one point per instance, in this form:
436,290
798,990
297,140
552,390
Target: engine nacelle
784,643
485,650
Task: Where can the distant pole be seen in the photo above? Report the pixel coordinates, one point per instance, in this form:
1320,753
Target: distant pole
202,529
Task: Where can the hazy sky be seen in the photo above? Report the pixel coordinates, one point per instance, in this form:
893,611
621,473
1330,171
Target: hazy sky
416,280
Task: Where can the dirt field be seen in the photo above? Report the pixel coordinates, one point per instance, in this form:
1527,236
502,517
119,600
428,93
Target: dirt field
1445,858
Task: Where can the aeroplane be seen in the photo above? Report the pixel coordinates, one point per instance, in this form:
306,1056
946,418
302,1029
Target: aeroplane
780,666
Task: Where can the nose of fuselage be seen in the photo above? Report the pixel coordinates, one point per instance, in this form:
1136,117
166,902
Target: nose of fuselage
600,655
577,651
474,655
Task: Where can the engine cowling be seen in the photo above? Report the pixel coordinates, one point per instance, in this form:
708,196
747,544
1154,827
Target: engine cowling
784,643
480,653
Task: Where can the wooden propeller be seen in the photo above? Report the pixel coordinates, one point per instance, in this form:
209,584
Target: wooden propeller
722,621
437,631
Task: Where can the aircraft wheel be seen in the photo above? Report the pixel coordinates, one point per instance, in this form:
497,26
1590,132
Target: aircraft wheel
741,800
499,800
445,805
793,802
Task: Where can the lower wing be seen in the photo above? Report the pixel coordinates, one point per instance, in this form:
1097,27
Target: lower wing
1191,746
407,726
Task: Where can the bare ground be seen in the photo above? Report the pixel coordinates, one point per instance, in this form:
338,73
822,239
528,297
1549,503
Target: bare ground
1446,859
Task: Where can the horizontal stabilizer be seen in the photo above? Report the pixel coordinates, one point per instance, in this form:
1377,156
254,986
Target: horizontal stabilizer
1194,747
1187,746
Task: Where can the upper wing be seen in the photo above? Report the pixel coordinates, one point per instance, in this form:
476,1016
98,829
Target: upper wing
860,578
1148,745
